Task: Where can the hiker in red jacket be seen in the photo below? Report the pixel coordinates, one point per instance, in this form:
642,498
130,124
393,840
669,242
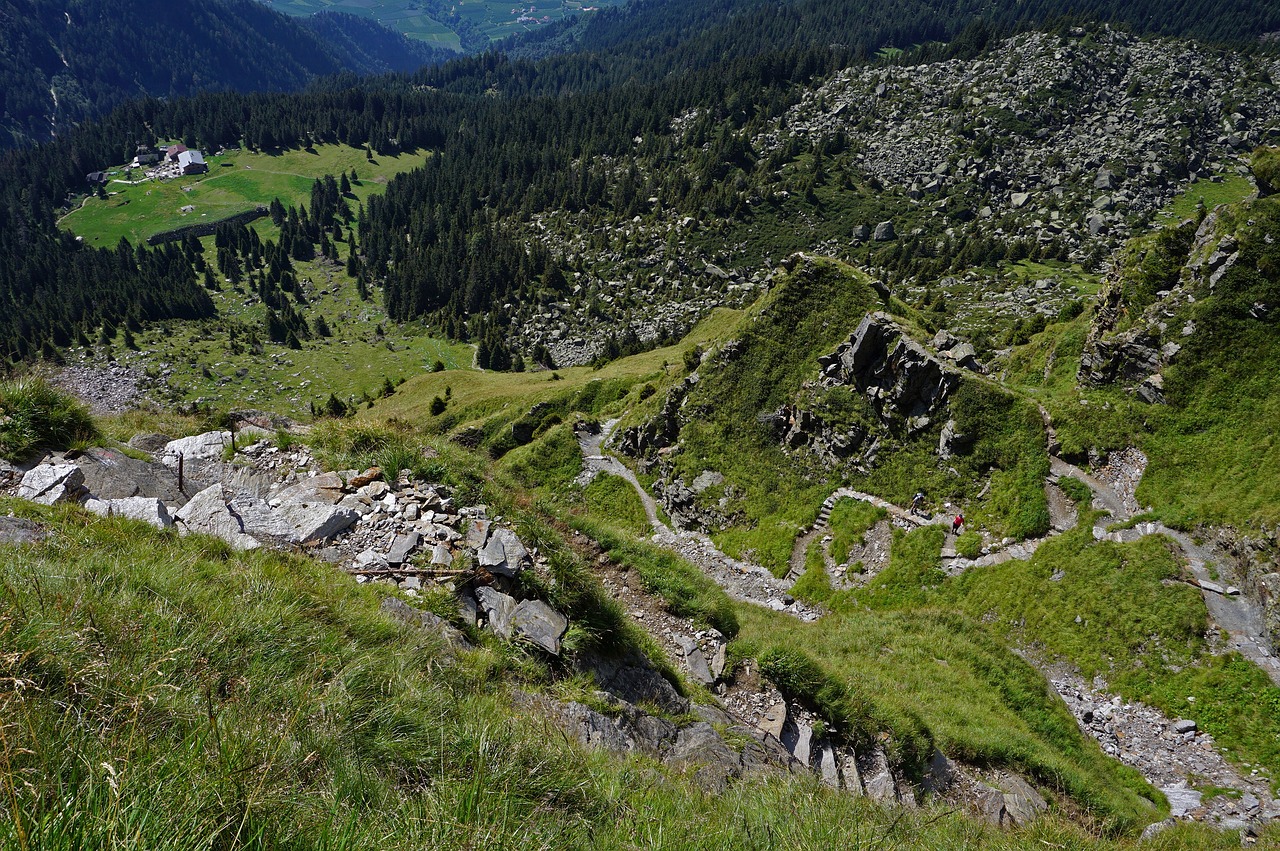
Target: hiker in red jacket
956,524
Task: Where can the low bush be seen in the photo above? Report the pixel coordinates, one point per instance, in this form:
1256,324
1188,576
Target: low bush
969,545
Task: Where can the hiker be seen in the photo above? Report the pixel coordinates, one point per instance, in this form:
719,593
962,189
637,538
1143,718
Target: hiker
917,503
956,524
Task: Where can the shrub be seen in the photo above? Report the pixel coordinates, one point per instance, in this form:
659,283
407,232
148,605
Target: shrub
34,415
969,545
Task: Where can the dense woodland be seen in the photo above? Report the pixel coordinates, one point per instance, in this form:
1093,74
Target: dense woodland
63,61
511,137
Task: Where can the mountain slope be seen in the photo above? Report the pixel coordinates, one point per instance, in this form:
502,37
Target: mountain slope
63,61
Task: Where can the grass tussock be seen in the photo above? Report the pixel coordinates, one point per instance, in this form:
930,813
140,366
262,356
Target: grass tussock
34,415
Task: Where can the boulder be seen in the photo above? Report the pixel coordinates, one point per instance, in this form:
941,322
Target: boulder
208,513
633,678
399,610
1012,801
292,522
49,484
150,442
884,232
326,487
700,743
878,779
16,530
953,442
499,609
403,547
110,474
201,447
537,622
145,508
503,553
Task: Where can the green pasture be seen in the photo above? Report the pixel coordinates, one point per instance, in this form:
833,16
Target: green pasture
237,181
1232,188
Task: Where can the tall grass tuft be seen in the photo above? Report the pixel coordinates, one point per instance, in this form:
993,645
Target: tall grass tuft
35,415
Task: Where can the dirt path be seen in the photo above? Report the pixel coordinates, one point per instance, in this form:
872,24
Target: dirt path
742,580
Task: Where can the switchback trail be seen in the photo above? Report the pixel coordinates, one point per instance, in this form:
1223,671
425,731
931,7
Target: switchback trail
742,580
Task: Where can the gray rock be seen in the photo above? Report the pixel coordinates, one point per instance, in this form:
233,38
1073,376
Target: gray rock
503,553
593,729
403,547
1184,726
1022,803
537,622
850,777
775,720
110,474
878,780
477,533
150,442
1182,800
292,522
201,447
440,555
16,530
826,766
697,664
147,509
633,678
700,743
499,609
406,614
884,232
1154,829
953,442
49,484
326,488
207,513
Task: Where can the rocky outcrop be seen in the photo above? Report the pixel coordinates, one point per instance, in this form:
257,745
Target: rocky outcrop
661,431
904,385
50,484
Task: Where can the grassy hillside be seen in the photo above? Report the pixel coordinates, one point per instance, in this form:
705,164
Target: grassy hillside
169,694
1212,453
236,181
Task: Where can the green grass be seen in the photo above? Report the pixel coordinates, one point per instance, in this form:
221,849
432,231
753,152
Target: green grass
930,679
33,415
1207,194
686,590
814,585
613,499
1141,633
850,519
236,181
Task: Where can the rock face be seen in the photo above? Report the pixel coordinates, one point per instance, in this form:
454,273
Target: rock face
904,383
537,622
291,522
110,474
905,387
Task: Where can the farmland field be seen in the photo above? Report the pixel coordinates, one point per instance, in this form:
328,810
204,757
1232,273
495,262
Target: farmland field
237,181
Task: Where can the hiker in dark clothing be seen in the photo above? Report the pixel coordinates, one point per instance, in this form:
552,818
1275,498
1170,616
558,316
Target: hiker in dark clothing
917,503
956,524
